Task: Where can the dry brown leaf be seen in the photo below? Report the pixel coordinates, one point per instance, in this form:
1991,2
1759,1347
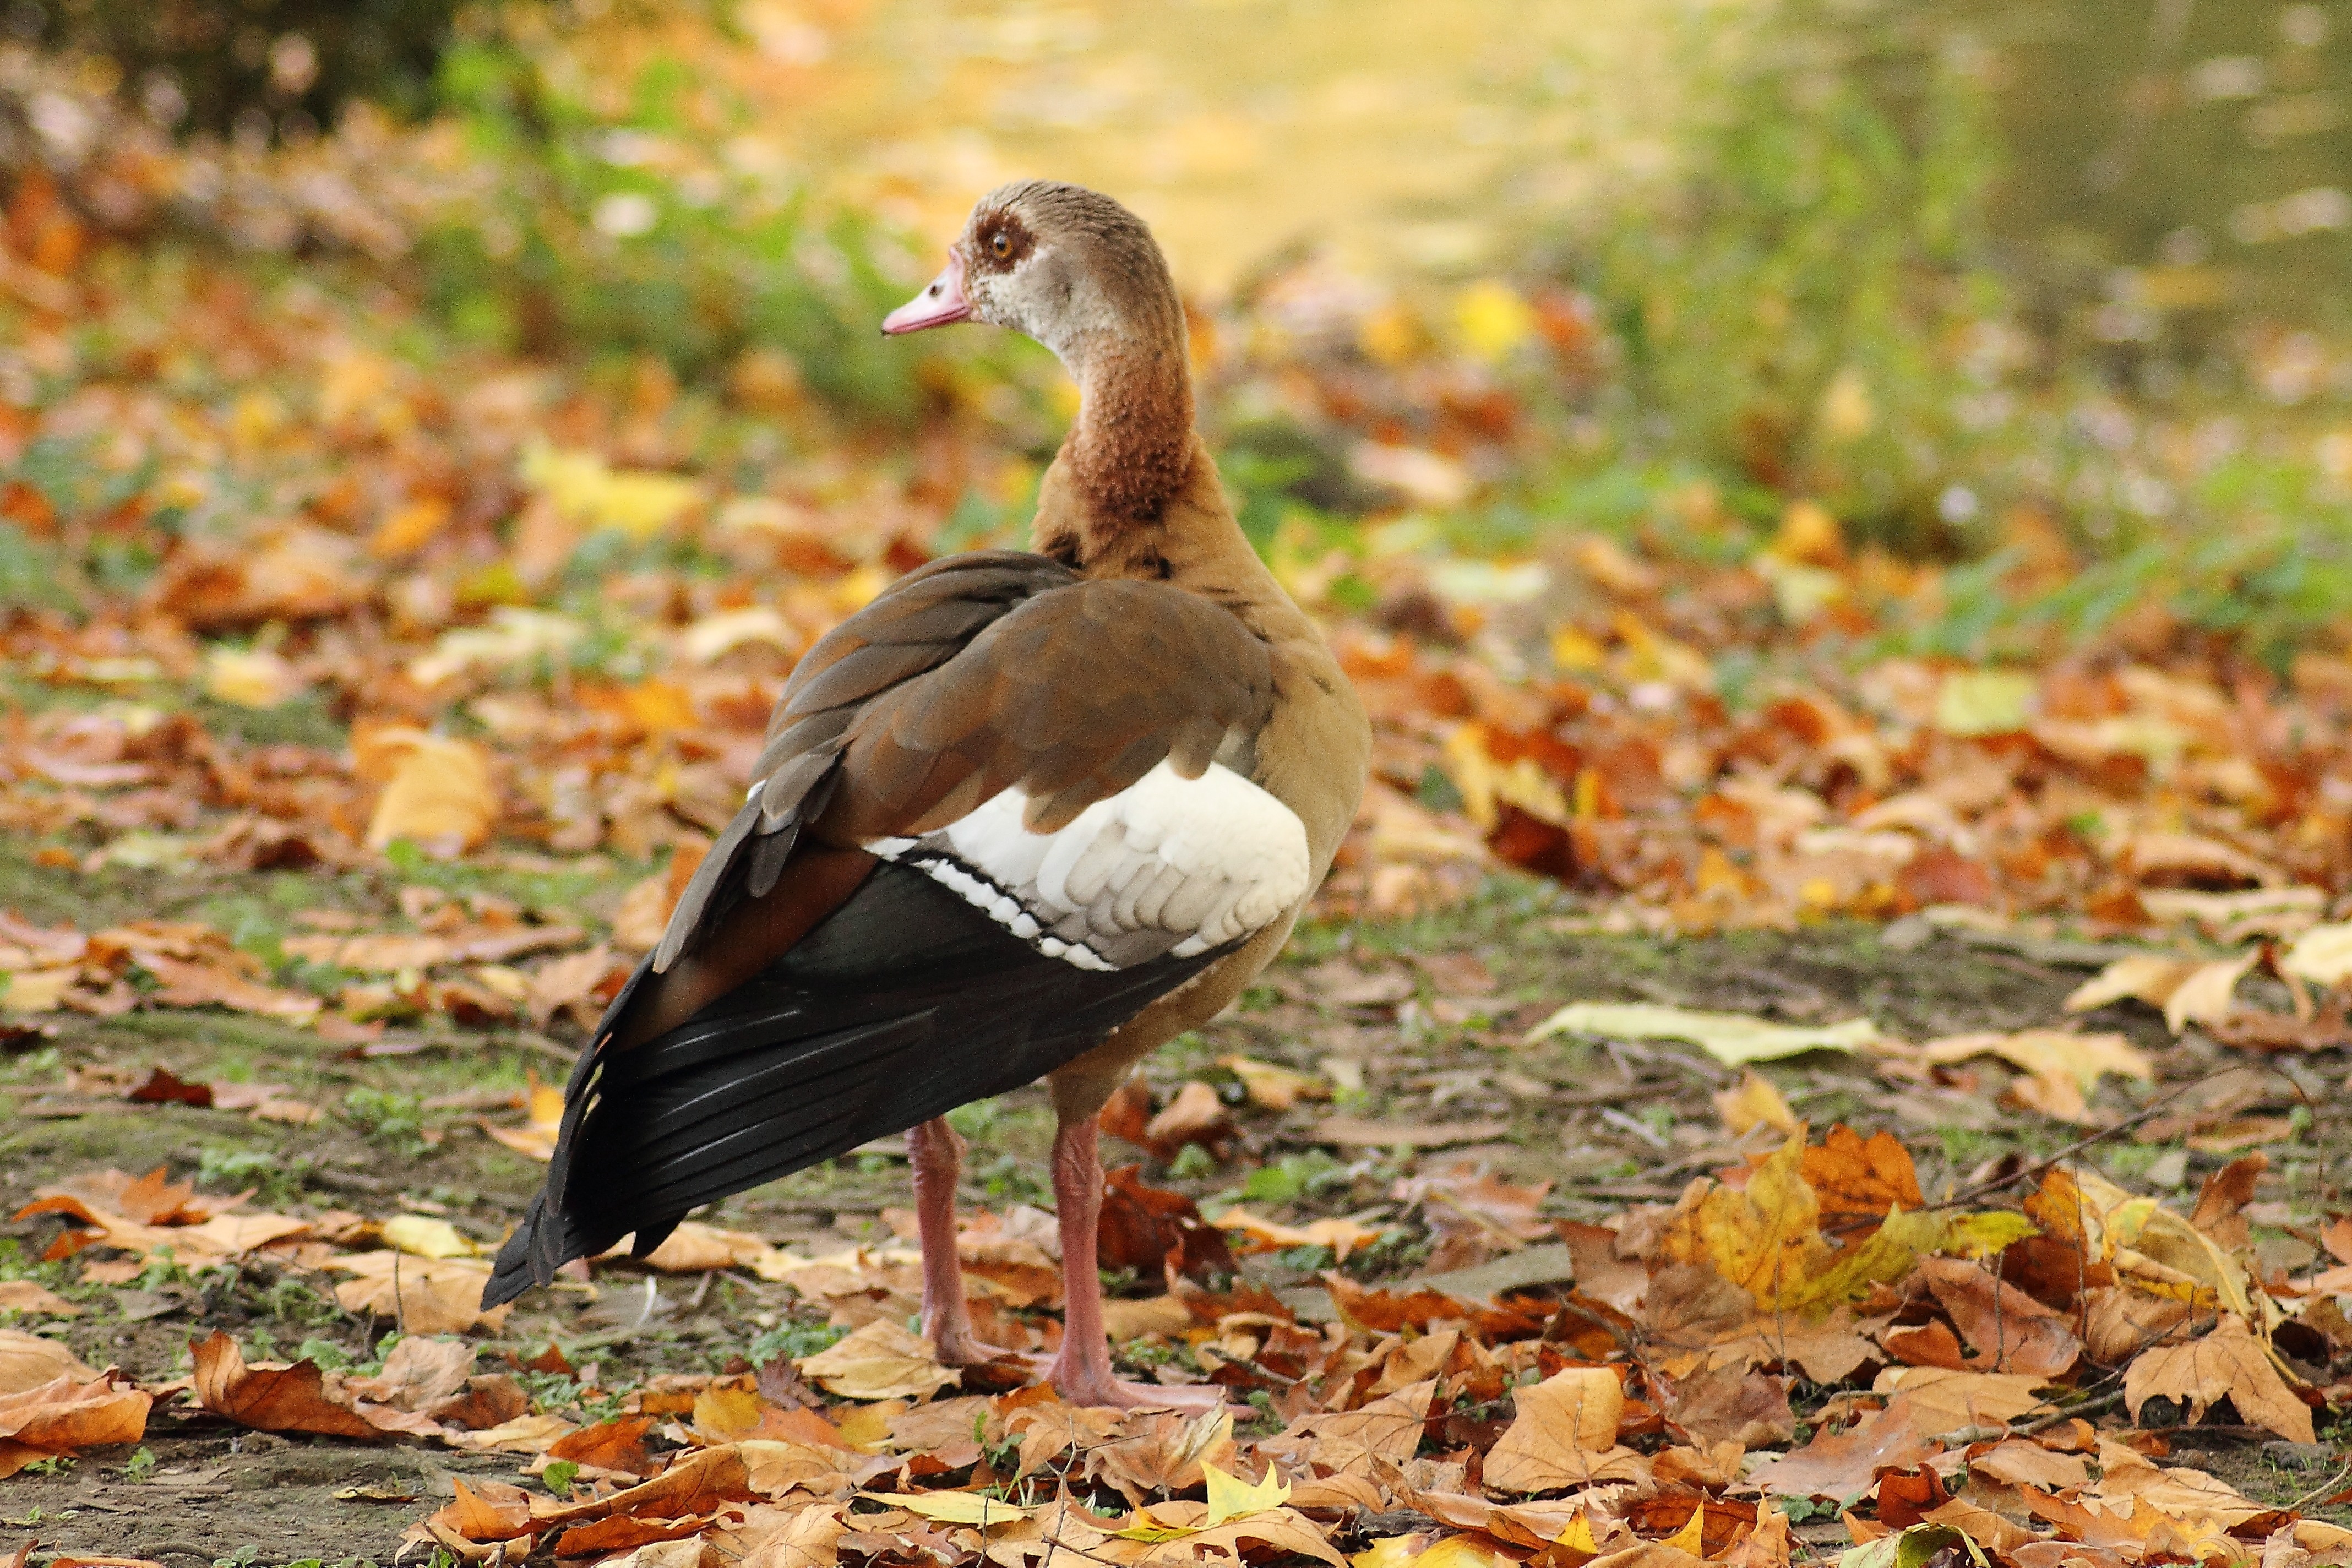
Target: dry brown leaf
1564,1432
271,1399
1386,1430
201,985
1728,1404
1840,1466
2008,1330
1957,1399
2229,1363
421,1295
66,1413
419,1372
34,1300
617,1446
883,1360
27,1360
2187,990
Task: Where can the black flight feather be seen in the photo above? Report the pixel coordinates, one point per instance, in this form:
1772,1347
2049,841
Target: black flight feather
902,1005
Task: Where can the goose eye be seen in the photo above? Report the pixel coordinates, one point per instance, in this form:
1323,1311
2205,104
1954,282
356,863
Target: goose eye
1000,245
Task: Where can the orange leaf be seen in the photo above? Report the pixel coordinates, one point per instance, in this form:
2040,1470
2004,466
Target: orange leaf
287,1399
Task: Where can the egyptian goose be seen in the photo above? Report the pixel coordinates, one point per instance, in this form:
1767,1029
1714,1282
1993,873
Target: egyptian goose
1023,815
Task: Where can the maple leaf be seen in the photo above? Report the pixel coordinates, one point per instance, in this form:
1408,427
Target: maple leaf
2229,1363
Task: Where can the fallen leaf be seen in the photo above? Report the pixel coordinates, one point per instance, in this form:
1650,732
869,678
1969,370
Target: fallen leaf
1341,1236
420,1295
28,1362
1154,1230
1942,1400
437,792
881,1360
1754,1102
1387,1430
1231,1497
1732,1038
1564,1434
420,1371
2188,990
2009,1330
2322,955
1730,1403
280,1399
73,1411
1356,1132
617,1446
34,1300
2229,1363
422,1235
1275,1087
1842,1466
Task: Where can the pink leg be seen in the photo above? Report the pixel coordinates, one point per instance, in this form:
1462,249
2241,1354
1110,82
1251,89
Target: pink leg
1082,1371
935,1153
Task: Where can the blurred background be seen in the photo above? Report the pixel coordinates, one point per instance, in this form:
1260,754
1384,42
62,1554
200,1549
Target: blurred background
408,362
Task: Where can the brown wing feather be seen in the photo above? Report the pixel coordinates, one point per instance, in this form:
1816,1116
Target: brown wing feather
967,677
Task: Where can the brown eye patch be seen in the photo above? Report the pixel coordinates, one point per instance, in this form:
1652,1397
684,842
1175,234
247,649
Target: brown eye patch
1000,240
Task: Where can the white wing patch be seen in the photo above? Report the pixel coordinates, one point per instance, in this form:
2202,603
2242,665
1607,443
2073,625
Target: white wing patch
1168,866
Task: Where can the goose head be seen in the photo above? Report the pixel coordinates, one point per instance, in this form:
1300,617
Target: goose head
1065,266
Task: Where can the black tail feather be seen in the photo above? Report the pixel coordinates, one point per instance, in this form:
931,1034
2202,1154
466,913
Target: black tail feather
905,1003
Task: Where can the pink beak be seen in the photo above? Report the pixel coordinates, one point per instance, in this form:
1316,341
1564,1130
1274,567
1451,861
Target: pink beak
936,306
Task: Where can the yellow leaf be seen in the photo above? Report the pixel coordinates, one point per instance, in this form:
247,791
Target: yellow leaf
584,488
1732,1038
1691,1537
409,528
1985,702
420,1236
1847,412
1574,652
1276,1087
1493,319
250,678
2323,955
2085,1058
955,1507
1462,1552
438,794
1754,1102
1231,1497
1390,1552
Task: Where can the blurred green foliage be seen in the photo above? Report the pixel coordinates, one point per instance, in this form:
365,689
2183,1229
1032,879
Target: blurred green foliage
591,235
1790,310
257,69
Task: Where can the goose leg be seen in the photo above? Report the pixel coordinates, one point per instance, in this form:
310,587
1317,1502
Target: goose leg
1082,1371
935,1154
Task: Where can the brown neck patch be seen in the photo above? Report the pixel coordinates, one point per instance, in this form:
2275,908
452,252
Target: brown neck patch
1131,449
